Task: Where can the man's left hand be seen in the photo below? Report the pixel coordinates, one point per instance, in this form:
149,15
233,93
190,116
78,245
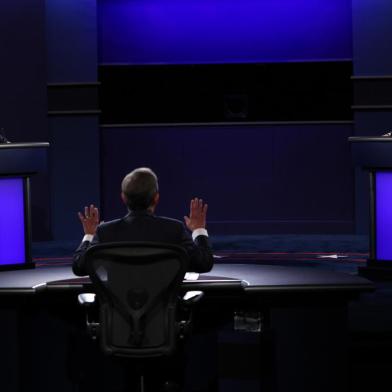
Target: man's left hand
90,219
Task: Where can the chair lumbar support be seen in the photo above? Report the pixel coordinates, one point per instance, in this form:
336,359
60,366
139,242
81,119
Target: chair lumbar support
86,299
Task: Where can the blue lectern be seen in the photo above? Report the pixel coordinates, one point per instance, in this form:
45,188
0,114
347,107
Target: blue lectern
374,154
18,162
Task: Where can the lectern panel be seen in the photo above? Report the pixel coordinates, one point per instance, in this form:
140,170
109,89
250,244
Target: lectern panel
383,215
12,221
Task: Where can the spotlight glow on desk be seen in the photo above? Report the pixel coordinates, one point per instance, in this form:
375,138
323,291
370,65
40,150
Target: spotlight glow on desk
14,223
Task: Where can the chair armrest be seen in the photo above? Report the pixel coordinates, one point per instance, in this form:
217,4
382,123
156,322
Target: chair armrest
187,302
192,297
86,299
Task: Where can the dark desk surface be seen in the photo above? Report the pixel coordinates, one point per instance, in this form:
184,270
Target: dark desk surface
250,278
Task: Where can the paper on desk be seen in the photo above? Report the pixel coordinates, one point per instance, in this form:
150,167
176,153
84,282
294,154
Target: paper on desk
191,276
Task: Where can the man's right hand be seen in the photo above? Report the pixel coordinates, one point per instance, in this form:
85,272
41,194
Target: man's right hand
90,219
197,215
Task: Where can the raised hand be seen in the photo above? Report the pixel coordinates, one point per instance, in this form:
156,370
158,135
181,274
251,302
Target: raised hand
197,215
90,219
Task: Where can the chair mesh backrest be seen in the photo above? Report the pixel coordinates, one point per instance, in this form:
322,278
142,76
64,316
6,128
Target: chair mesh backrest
137,285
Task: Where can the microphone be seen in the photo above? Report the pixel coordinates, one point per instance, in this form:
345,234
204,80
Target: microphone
3,139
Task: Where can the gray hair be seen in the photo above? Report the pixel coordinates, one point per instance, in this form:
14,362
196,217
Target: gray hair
139,187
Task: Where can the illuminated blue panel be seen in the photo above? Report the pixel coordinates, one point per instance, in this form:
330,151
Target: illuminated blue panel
12,228
384,216
223,31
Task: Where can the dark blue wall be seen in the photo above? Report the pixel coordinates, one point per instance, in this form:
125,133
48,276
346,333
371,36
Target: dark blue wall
71,32
70,56
75,173
256,178
372,58
23,107
72,63
372,37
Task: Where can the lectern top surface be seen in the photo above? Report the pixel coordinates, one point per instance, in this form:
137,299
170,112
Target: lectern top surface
383,139
24,145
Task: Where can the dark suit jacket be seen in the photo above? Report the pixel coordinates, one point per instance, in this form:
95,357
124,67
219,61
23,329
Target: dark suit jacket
143,226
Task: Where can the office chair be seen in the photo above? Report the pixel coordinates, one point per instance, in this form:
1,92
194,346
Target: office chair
138,288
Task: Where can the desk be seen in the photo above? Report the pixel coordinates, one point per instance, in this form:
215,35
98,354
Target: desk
255,279
304,313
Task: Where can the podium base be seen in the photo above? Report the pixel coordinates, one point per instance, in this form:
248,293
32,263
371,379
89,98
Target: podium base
376,272
13,267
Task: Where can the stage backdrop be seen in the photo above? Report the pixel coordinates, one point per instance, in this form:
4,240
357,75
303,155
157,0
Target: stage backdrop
255,178
223,31
289,178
